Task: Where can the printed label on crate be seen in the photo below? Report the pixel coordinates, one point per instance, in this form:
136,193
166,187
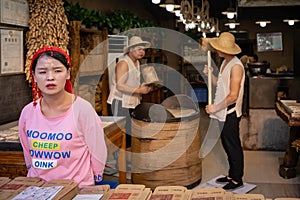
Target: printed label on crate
161,197
11,186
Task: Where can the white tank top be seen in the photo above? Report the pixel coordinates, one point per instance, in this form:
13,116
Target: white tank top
223,88
133,80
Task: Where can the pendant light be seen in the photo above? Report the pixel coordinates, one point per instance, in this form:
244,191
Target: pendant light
232,24
263,23
291,22
156,1
230,12
170,5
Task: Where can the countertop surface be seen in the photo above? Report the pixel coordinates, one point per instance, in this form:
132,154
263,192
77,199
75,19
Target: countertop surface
9,134
279,76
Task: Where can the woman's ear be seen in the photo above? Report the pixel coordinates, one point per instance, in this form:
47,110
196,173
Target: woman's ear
69,74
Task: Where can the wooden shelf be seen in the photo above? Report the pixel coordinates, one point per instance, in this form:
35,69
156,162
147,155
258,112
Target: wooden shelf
93,31
82,42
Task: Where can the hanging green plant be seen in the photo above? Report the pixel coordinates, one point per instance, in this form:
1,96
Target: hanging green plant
125,20
102,19
73,11
121,20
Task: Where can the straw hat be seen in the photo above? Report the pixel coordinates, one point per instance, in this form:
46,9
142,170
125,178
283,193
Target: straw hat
136,41
226,44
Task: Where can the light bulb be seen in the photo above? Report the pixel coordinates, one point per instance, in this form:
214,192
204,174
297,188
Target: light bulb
263,24
181,17
232,25
177,13
191,25
156,1
186,27
170,7
208,25
202,25
230,15
291,22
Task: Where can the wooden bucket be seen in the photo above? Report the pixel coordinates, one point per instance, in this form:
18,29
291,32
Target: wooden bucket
165,154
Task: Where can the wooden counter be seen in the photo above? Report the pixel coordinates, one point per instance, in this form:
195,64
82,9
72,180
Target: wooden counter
12,163
288,167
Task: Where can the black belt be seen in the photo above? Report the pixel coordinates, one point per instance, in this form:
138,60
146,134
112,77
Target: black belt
231,106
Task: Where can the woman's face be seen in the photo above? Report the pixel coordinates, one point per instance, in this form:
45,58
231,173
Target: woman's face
221,54
50,75
138,52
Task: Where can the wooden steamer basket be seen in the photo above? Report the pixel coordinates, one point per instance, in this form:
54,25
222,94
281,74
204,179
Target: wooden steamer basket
165,148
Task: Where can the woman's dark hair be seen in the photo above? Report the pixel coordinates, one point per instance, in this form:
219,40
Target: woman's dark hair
58,56
255,56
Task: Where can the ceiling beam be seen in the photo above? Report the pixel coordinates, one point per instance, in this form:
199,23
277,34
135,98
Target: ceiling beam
268,3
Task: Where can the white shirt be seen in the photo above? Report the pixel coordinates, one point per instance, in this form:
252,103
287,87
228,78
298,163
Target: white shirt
223,89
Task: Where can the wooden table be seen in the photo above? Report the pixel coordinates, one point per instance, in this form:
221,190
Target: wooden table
288,167
12,163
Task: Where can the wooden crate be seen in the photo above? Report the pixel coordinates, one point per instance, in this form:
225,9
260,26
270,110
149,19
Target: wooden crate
12,164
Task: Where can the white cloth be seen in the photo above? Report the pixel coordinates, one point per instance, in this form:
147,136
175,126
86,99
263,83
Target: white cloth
223,89
133,80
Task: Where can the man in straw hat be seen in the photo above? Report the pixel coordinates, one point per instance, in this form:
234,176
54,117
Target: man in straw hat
227,106
126,89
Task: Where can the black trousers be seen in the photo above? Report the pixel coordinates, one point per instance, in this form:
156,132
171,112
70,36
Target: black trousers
230,137
118,110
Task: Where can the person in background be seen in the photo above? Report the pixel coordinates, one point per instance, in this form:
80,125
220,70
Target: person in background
245,59
61,134
126,87
227,106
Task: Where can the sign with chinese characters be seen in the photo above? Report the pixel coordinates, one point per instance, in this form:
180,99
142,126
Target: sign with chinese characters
12,58
15,12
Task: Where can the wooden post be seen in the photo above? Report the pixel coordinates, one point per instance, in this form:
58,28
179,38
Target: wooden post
75,27
209,87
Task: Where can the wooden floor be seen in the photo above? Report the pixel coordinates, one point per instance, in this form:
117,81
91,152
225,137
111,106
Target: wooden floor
275,190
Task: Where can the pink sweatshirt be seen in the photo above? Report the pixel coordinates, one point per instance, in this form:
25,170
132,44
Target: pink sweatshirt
70,146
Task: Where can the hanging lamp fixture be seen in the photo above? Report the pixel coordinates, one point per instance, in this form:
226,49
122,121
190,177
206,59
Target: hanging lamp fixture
263,23
232,24
170,5
231,11
291,22
156,1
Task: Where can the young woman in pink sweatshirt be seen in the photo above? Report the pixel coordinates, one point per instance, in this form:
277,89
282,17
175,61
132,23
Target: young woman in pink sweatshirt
61,134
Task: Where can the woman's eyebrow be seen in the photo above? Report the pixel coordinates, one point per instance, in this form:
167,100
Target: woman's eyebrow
55,67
